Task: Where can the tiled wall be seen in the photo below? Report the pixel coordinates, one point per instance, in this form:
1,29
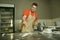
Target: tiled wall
56,19
48,22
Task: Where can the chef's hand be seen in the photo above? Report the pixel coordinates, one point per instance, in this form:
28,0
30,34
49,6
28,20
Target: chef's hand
36,23
24,22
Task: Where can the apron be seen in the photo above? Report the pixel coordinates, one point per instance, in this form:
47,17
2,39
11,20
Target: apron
29,25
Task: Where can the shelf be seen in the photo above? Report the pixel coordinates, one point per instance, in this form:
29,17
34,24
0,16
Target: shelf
6,22
6,15
7,26
2,13
7,29
6,19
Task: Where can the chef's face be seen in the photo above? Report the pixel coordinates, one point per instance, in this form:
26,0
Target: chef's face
33,8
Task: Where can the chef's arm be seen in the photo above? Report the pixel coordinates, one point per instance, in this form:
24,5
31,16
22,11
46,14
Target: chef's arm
36,23
24,19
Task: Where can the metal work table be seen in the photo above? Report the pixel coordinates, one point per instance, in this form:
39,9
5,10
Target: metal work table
30,36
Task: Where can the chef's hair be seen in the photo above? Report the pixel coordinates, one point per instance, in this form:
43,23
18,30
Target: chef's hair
35,4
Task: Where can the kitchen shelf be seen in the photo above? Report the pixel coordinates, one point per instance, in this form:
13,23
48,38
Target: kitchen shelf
6,22
6,19
6,12
7,29
6,26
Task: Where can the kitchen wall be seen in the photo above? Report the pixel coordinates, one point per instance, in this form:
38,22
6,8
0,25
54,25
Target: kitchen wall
47,10
55,10
21,5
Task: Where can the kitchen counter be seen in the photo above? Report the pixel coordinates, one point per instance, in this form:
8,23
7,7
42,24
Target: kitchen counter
30,36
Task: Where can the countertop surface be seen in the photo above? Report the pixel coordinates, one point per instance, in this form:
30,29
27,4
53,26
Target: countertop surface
30,36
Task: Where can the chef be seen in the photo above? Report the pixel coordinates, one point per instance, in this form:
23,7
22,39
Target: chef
29,19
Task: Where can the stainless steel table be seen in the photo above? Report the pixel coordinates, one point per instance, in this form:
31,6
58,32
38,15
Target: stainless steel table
30,36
